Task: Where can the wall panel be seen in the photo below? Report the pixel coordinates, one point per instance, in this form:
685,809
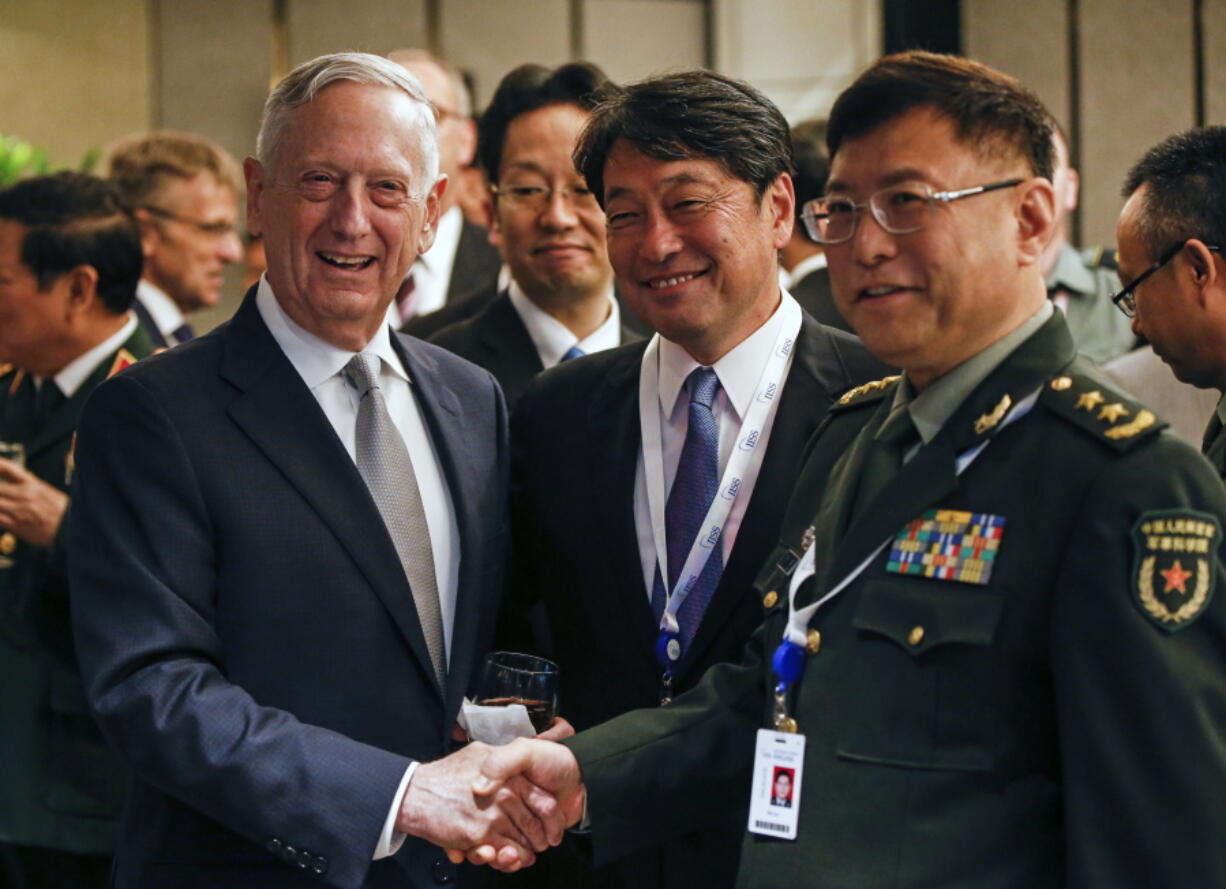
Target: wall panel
631,39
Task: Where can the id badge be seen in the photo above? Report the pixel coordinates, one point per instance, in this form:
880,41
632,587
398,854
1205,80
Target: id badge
774,802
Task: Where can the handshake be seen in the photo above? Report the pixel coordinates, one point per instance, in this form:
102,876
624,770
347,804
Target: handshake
496,805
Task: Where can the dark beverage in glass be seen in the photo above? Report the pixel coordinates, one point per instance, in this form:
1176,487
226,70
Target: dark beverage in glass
509,677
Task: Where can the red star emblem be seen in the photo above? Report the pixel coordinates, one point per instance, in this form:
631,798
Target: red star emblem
1176,578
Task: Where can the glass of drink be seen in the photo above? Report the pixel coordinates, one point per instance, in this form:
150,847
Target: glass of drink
512,678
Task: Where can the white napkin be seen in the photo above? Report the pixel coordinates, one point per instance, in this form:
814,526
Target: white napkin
495,725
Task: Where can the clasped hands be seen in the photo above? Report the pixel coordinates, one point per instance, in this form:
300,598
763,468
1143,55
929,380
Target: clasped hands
29,507
496,805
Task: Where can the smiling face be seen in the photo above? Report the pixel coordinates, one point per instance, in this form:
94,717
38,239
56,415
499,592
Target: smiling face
928,300
557,253
694,249
343,208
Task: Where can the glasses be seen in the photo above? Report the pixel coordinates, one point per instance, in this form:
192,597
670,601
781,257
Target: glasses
1126,299
537,197
899,209
213,229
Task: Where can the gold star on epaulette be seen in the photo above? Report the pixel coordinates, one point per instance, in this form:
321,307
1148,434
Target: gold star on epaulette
1090,400
852,394
1112,413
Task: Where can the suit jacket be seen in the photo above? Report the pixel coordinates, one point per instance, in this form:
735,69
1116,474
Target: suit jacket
496,339
473,283
62,786
245,628
1044,725
576,443
815,296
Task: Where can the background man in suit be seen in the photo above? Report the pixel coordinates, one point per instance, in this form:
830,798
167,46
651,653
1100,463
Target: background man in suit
617,457
183,190
559,304
1172,231
291,533
70,257
1032,717
462,266
804,261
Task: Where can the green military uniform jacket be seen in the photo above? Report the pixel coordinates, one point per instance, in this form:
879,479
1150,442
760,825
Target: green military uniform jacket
60,786
1054,719
1089,278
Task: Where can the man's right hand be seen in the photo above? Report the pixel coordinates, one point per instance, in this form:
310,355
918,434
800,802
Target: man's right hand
553,772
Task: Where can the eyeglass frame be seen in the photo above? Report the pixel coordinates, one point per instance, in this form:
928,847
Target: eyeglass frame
213,229
1126,299
809,216
506,193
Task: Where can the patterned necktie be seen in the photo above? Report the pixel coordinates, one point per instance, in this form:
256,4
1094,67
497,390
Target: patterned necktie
182,333
386,467
404,296
896,435
694,488
572,352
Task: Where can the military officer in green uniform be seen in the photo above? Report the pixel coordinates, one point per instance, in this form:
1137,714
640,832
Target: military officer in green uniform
1082,282
70,260
994,646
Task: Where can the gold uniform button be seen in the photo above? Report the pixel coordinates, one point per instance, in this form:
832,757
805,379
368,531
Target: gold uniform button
769,600
1061,383
813,642
8,543
916,635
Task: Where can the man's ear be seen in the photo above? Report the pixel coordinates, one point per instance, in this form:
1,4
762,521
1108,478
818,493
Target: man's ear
780,200
254,175
1200,264
1035,211
150,234
80,286
429,224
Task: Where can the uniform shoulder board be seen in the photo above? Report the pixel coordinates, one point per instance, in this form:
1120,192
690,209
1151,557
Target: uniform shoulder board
1106,413
5,370
1102,258
866,392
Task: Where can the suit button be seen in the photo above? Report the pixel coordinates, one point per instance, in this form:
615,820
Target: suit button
289,854
916,636
769,600
443,872
813,642
304,859
275,846
320,865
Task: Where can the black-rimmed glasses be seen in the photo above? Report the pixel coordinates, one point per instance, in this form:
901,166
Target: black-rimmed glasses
1126,299
899,209
216,229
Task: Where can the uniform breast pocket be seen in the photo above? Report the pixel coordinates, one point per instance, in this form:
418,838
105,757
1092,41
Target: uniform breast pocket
924,681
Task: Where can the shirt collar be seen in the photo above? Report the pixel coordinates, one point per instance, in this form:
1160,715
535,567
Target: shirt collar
806,266
1070,273
317,360
165,312
553,339
738,371
77,371
936,404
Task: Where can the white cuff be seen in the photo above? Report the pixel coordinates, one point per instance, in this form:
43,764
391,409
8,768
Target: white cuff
390,840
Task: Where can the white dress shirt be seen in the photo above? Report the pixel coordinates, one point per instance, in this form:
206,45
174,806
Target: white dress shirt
738,373
320,364
165,311
553,339
805,267
432,270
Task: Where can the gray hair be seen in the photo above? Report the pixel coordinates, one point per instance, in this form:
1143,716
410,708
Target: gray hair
305,82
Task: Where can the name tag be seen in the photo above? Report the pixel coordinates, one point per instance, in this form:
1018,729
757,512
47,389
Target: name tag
774,800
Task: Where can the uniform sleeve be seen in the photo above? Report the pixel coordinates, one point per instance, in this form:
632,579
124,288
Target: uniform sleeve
144,580
1138,636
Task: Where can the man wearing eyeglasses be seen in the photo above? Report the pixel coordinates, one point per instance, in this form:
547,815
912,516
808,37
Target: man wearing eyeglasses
559,303
183,190
991,645
1171,233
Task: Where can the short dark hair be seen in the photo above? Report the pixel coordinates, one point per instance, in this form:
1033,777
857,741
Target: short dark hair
991,112
810,161
1186,197
692,114
71,220
528,88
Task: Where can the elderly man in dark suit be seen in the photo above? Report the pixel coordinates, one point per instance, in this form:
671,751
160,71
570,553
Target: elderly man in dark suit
292,533
70,259
664,467
559,303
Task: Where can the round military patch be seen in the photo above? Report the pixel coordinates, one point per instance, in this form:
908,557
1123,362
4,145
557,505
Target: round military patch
1175,562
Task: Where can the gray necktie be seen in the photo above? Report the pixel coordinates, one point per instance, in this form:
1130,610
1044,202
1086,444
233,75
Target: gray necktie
387,469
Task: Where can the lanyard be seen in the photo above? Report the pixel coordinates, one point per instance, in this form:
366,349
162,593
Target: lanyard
738,478
789,658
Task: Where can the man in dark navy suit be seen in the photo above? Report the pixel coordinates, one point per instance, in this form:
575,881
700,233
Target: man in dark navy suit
292,531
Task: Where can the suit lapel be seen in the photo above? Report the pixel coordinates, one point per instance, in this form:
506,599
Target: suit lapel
508,347
281,417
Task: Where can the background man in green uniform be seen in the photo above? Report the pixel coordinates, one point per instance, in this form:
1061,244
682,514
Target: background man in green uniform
70,259
1172,232
1022,686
